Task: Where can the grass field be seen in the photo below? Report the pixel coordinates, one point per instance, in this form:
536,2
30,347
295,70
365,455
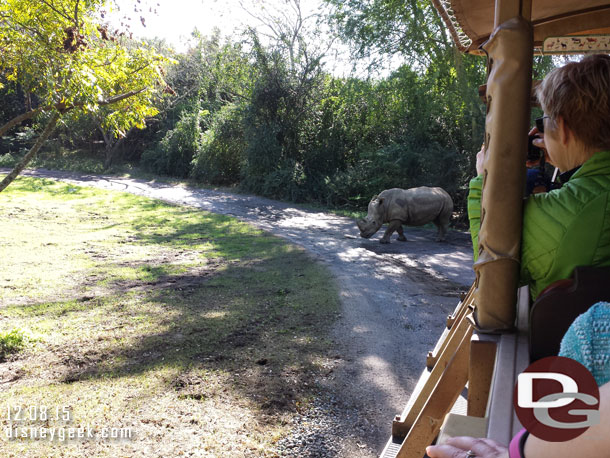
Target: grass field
194,333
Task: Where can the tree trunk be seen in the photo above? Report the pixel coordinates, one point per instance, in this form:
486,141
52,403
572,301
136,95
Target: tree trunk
32,153
111,152
112,146
109,141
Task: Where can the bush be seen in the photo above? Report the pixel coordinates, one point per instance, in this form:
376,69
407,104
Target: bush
19,143
222,152
263,157
175,152
349,188
12,342
8,160
399,165
286,183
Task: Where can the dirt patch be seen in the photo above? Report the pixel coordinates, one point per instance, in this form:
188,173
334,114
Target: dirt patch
429,280
184,283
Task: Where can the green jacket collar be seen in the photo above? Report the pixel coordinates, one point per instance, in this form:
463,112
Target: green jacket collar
599,164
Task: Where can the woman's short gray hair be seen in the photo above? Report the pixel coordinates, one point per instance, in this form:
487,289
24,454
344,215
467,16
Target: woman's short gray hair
579,92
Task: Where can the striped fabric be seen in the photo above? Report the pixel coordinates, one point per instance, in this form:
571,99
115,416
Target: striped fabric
588,341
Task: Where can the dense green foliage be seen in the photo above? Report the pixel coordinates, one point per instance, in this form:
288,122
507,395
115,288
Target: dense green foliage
177,148
219,160
269,118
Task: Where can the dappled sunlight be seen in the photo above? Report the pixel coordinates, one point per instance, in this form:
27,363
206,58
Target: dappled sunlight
215,315
373,364
294,218
306,221
351,254
361,329
453,265
455,259
391,270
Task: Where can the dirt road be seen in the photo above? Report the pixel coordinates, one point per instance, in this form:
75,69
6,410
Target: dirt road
395,299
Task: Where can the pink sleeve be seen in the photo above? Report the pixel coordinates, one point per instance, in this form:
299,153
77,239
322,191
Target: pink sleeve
515,449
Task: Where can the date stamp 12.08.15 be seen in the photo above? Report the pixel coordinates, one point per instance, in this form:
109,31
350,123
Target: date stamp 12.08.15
57,423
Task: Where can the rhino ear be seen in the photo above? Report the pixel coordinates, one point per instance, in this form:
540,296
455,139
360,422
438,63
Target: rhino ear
380,201
374,197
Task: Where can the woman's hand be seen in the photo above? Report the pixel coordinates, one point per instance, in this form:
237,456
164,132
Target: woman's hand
467,447
480,159
539,140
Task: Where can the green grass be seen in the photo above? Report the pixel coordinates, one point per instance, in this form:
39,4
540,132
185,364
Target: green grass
62,159
158,318
12,342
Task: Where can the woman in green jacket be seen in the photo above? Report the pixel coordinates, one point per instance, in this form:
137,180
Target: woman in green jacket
570,226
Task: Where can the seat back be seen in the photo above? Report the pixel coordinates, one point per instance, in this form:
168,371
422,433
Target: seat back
560,304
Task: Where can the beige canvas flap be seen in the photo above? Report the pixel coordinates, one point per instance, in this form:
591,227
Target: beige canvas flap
508,106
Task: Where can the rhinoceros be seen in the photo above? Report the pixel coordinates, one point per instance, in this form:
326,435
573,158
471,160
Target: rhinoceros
411,207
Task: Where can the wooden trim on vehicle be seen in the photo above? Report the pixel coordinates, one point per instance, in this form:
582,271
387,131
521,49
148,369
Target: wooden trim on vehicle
596,19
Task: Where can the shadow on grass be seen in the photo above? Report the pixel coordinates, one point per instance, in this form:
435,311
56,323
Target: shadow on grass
253,321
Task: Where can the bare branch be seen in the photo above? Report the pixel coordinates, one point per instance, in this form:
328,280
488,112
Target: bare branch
61,13
76,12
18,120
118,98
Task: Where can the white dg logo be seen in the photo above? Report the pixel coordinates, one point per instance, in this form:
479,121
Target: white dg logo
568,394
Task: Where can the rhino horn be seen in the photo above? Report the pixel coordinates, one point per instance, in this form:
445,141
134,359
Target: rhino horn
360,224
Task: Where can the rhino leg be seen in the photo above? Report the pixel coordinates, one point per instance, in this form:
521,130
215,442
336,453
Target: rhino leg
443,226
394,225
401,234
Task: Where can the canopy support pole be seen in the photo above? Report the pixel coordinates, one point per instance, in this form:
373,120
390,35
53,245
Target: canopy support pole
509,83
508,9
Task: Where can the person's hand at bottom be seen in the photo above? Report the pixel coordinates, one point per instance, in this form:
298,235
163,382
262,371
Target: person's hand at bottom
467,447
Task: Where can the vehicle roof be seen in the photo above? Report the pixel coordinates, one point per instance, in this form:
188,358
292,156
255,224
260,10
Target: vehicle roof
471,22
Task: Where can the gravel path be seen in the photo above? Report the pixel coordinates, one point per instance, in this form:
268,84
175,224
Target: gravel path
395,299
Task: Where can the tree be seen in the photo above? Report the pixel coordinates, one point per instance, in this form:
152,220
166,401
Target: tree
210,79
281,118
58,52
445,115
379,28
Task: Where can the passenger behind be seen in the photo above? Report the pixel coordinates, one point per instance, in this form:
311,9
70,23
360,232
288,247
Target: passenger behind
537,180
570,226
588,342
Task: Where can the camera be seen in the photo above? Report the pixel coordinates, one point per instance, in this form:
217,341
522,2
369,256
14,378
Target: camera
533,152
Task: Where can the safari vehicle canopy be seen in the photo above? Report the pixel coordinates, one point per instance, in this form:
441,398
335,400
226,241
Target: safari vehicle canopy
485,345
